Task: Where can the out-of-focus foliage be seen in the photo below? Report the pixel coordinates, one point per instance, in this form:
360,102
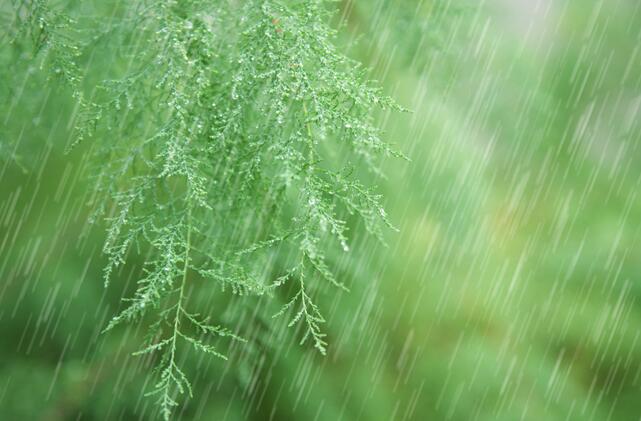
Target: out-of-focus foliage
511,292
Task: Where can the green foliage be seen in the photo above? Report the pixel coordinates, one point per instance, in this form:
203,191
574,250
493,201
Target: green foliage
41,35
222,113
38,39
511,291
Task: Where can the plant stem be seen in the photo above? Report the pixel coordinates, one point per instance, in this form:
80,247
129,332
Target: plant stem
183,281
179,308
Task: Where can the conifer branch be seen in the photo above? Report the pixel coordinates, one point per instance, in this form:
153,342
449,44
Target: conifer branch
211,139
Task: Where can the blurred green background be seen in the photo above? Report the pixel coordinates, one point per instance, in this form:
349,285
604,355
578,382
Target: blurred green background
511,291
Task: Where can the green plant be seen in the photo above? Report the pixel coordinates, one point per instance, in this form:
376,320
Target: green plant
37,39
216,136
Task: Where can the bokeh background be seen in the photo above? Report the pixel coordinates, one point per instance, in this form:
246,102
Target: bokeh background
511,290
